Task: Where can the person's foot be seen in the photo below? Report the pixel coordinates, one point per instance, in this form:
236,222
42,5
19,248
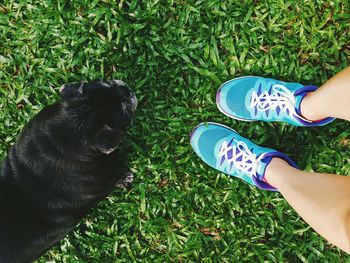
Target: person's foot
256,98
225,150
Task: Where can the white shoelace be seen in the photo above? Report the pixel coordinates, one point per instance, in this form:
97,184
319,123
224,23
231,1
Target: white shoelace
242,157
281,97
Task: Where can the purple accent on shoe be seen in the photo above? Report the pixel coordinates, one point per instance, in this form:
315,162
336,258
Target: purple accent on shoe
237,151
270,90
259,90
230,154
263,185
259,178
278,110
222,160
230,143
267,113
303,92
240,158
305,89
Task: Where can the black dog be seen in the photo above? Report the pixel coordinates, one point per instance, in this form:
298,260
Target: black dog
63,163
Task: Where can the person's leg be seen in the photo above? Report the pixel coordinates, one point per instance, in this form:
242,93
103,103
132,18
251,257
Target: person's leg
330,100
322,200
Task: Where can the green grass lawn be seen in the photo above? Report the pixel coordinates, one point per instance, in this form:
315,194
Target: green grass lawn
175,54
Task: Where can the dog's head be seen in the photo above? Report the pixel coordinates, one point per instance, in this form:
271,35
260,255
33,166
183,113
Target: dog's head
102,111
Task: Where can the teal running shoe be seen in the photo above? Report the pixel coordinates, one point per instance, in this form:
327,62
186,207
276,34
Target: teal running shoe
256,98
225,150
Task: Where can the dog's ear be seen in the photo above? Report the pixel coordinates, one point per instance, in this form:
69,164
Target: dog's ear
108,139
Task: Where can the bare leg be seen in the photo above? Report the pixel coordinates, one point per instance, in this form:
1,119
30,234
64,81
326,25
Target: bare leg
331,100
322,200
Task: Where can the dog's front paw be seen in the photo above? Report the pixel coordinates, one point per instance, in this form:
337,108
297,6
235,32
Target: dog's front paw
127,181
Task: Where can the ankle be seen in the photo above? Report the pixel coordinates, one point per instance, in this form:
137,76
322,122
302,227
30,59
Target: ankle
275,170
311,109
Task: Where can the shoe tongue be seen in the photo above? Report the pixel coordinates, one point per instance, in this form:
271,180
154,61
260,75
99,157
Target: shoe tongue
260,173
262,166
298,99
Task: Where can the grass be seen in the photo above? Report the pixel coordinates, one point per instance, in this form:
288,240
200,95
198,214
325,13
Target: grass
175,54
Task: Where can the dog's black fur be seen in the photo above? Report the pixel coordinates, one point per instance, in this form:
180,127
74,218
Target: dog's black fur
63,163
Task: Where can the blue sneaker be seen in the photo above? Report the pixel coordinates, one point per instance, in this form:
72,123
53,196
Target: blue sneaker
225,150
256,98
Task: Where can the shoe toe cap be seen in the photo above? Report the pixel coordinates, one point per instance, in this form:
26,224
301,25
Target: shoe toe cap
204,139
231,97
